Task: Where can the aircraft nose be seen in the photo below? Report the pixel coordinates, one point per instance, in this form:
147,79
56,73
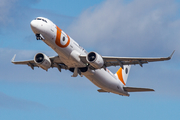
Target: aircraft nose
34,26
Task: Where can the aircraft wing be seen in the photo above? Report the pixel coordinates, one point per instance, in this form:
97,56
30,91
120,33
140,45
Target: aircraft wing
56,62
120,61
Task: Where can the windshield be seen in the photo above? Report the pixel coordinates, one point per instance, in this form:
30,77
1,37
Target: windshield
41,19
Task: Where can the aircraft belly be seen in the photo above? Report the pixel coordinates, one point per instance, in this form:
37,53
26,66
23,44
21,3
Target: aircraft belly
105,81
99,77
64,53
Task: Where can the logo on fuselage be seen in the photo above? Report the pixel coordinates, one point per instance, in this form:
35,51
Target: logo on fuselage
62,39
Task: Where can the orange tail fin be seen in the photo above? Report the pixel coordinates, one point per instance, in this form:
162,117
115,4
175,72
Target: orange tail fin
122,74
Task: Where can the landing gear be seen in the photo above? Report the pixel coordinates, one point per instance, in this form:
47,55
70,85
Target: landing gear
39,37
78,71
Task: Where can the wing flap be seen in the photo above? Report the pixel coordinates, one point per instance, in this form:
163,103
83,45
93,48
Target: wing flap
134,89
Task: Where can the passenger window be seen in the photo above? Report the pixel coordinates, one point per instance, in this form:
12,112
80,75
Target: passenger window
63,38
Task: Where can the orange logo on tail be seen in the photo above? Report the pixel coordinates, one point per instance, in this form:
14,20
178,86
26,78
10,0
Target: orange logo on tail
120,76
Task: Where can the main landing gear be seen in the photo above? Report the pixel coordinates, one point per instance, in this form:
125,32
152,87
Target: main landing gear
77,71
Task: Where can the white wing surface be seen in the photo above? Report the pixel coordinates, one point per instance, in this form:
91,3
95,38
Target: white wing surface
120,61
56,62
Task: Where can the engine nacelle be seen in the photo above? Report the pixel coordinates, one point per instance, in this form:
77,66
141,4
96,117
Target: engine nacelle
95,60
42,61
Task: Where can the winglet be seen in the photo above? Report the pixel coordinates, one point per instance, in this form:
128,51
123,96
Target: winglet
171,54
13,58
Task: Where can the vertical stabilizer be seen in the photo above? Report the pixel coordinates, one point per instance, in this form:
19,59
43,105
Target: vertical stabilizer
122,74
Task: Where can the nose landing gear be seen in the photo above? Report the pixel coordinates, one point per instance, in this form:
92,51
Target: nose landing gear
39,37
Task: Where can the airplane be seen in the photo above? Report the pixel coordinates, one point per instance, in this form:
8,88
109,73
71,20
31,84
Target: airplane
71,56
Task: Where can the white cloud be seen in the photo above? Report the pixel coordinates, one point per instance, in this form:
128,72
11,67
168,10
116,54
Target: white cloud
139,27
5,10
19,13
9,102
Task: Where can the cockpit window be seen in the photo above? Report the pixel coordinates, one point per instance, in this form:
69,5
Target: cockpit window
41,19
38,18
44,20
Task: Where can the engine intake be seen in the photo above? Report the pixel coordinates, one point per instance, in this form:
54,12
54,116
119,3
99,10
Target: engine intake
95,60
91,56
42,61
39,58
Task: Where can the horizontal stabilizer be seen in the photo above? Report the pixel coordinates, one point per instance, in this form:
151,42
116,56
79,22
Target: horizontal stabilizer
101,90
133,89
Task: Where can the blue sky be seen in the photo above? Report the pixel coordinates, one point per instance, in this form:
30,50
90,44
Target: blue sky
111,27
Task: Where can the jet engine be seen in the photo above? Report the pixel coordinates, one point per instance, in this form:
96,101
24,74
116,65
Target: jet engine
42,61
95,60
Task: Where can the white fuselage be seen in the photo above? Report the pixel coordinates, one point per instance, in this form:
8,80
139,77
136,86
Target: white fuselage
69,51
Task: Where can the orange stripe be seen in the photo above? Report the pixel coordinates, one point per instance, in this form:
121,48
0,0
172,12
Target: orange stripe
119,74
58,38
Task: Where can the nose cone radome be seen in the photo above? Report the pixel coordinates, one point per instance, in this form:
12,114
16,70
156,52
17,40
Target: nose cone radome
34,26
